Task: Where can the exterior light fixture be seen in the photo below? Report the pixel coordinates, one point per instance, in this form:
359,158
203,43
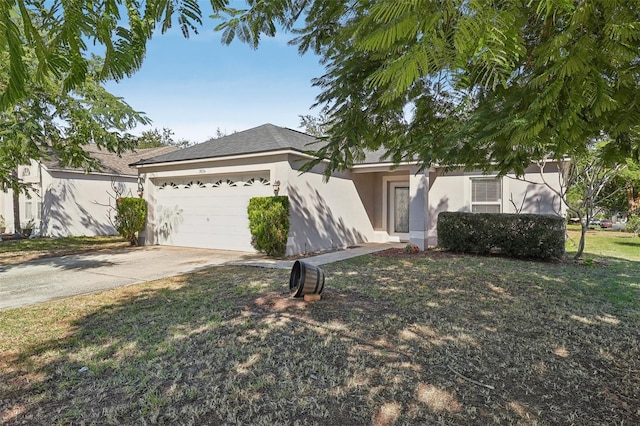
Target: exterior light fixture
276,187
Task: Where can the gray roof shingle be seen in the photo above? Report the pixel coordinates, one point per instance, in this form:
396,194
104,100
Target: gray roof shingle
112,163
263,138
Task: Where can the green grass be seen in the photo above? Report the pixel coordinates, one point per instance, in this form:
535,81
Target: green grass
13,251
54,244
602,243
424,339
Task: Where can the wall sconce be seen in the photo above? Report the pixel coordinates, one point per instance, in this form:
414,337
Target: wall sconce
276,187
140,188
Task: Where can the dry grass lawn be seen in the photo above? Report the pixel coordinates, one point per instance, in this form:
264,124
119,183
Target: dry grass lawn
424,339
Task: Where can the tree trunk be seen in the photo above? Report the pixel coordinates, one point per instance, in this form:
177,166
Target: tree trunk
583,233
16,207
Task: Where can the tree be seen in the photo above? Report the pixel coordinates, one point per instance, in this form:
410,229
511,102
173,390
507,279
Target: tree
61,34
622,194
314,126
51,120
483,84
154,138
582,185
491,85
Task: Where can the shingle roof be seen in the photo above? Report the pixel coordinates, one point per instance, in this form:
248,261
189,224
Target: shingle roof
263,138
112,163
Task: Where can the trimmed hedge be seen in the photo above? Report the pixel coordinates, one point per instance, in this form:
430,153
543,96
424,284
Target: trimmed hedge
131,216
529,236
269,224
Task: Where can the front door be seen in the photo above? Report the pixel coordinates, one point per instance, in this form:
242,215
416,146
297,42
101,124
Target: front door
399,210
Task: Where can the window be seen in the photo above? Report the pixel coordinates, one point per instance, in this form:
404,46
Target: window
486,195
28,211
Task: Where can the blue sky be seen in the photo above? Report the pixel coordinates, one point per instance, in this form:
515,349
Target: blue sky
194,86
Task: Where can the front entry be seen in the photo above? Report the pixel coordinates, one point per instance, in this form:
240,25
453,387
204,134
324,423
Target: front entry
399,210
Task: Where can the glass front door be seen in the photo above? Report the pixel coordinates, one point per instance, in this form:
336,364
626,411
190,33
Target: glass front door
399,210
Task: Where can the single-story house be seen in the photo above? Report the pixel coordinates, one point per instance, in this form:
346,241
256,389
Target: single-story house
66,201
198,196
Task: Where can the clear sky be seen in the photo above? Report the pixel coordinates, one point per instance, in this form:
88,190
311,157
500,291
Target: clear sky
194,86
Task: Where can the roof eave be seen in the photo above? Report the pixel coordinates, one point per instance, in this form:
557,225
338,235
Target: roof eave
291,151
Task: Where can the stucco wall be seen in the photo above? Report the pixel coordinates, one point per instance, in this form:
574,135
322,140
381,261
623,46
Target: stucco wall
67,203
328,215
76,204
352,207
452,192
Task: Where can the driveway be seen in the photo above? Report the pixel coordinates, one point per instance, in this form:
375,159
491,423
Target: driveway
45,279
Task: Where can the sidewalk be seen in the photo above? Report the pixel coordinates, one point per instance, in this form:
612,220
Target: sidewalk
321,259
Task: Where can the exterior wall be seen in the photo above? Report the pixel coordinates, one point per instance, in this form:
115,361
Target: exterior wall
75,204
328,215
323,215
452,192
29,174
351,207
66,203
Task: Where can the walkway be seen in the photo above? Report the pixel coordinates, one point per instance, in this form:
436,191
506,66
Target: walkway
321,259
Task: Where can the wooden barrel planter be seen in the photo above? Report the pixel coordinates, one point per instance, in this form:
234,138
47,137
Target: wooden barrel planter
305,279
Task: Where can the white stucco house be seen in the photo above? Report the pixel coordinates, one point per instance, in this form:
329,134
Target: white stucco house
66,201
198,196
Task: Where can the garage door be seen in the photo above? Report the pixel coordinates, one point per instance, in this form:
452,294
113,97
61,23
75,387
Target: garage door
207,212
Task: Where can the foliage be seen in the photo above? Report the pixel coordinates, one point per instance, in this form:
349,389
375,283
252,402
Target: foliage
269,224
461,82
529,236
582,184
3,223
30,224
154,139
482,84
622,194
131,216
314,126
118,29
633,225
50,120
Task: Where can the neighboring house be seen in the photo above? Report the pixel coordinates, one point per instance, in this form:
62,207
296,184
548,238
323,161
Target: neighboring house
68,201
198,196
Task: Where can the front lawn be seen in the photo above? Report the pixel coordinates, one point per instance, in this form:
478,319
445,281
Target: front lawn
14,251
426,339
601,242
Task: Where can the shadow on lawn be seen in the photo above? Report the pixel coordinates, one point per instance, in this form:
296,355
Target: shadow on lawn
459,340
629,243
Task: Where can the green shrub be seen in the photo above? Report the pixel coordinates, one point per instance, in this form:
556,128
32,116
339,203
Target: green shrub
528,236
633,225
131,215
269,224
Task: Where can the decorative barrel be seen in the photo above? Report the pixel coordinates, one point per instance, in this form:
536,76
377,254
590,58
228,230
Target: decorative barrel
305,279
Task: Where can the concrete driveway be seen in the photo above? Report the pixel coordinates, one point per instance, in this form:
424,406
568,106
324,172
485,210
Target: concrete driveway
45,279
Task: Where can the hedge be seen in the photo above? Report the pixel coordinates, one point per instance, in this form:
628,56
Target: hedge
269,224
131,216
529,236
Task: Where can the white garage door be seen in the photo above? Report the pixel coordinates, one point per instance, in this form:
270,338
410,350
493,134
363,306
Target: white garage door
207,212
